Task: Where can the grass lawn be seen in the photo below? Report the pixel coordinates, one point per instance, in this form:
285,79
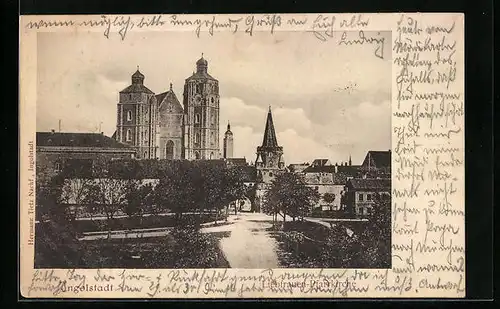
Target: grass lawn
126,223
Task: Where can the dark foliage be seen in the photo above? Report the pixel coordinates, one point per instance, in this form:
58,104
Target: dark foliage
308,244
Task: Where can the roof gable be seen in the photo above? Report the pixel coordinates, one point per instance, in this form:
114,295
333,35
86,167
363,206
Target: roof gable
378,159
169,99
370,183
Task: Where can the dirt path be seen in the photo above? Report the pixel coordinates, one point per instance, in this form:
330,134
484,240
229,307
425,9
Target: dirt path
249,245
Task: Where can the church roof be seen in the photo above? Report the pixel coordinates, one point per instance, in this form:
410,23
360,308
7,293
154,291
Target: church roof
201,70
228,131
270,140
137,85
202,61
137,88
138,74
167,97
58,139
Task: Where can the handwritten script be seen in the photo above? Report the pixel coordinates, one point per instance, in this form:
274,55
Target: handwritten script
428,159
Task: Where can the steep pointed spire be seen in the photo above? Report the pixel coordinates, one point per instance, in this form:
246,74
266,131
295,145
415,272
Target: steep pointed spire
350,161
270,139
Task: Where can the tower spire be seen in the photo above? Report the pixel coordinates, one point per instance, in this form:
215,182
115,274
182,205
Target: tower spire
270,139
350,161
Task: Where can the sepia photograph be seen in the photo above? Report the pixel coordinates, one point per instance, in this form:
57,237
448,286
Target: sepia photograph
172,151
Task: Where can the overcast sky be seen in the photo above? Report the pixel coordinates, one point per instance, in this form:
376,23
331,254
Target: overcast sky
328,101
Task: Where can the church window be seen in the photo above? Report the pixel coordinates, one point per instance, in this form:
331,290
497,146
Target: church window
130,96
270,174
129,135
211,155
197,118
197,138
129,115
197,155
169,150
212,138
199,88
145,154
212,100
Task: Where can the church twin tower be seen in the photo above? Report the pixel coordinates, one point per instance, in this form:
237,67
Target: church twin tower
159,127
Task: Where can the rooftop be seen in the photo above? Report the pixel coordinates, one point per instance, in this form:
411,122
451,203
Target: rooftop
167,97
377,159
59,139
370,183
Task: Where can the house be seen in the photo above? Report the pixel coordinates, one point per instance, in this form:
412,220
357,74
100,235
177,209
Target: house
360,192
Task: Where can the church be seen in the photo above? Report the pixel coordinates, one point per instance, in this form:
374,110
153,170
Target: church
158,126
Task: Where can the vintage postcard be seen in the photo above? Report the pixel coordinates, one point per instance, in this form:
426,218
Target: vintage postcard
242,156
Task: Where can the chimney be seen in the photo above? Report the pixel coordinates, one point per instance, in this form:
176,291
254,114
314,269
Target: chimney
53,131
102,133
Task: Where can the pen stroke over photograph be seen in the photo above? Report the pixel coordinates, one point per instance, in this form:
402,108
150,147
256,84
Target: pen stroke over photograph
242,156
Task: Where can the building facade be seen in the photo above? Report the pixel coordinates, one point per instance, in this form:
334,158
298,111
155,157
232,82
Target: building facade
360,194
160,127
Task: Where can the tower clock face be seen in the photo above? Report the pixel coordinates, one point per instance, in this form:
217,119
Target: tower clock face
197,98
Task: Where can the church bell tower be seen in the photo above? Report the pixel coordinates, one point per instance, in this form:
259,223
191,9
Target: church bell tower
269,155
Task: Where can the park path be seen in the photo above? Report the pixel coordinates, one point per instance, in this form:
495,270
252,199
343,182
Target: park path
249,245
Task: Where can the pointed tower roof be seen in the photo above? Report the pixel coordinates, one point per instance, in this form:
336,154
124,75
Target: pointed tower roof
228,131
270,139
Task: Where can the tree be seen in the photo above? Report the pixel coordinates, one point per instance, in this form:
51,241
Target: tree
176,190
329,198
289,195
376,237
251,192
233,187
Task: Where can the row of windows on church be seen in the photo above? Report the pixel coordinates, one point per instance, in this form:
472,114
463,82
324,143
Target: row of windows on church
199,88
197,119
